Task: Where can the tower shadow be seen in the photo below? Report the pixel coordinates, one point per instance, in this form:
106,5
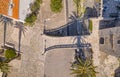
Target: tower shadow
5,21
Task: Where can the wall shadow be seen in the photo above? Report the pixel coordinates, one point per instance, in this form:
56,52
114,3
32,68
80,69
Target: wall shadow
109,23
68,46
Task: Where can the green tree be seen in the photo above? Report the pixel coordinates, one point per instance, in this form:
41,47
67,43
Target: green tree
4,67
10,54
39,1
84,68
56,5
30,19
35,6
5,21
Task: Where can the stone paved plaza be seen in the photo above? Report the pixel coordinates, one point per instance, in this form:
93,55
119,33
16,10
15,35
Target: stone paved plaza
54,63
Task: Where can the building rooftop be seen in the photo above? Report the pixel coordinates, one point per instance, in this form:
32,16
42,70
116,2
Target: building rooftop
16,9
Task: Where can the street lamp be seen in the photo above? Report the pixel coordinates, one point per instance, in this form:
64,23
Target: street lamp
45,21
44,26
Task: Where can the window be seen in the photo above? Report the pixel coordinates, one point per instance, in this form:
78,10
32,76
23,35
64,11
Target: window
118,41
101,41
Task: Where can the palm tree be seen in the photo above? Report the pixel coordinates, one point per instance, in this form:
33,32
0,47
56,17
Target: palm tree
22,29
81,10
6,21
79,4
4,67
84,68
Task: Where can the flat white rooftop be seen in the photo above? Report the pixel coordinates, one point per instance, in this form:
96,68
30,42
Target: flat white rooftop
24,8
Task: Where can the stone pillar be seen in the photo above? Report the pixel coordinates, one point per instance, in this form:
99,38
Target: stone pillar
101,10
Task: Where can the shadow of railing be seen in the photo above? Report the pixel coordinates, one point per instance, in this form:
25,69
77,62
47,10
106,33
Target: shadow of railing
74,27
87,45
61,27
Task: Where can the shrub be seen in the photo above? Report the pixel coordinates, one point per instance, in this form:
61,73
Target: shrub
56,5
35,6
84,68
30,19
10,53
39,1
90,26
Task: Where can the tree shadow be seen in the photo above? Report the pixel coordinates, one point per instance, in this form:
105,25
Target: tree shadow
81,45
22,30
90,12
5,21
108,23
84,52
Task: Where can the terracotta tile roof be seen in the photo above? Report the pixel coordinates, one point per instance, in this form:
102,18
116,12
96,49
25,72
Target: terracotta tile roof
15,9
4,5
4,8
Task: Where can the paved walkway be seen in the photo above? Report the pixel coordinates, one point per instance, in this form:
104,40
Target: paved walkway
32,64
95,44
